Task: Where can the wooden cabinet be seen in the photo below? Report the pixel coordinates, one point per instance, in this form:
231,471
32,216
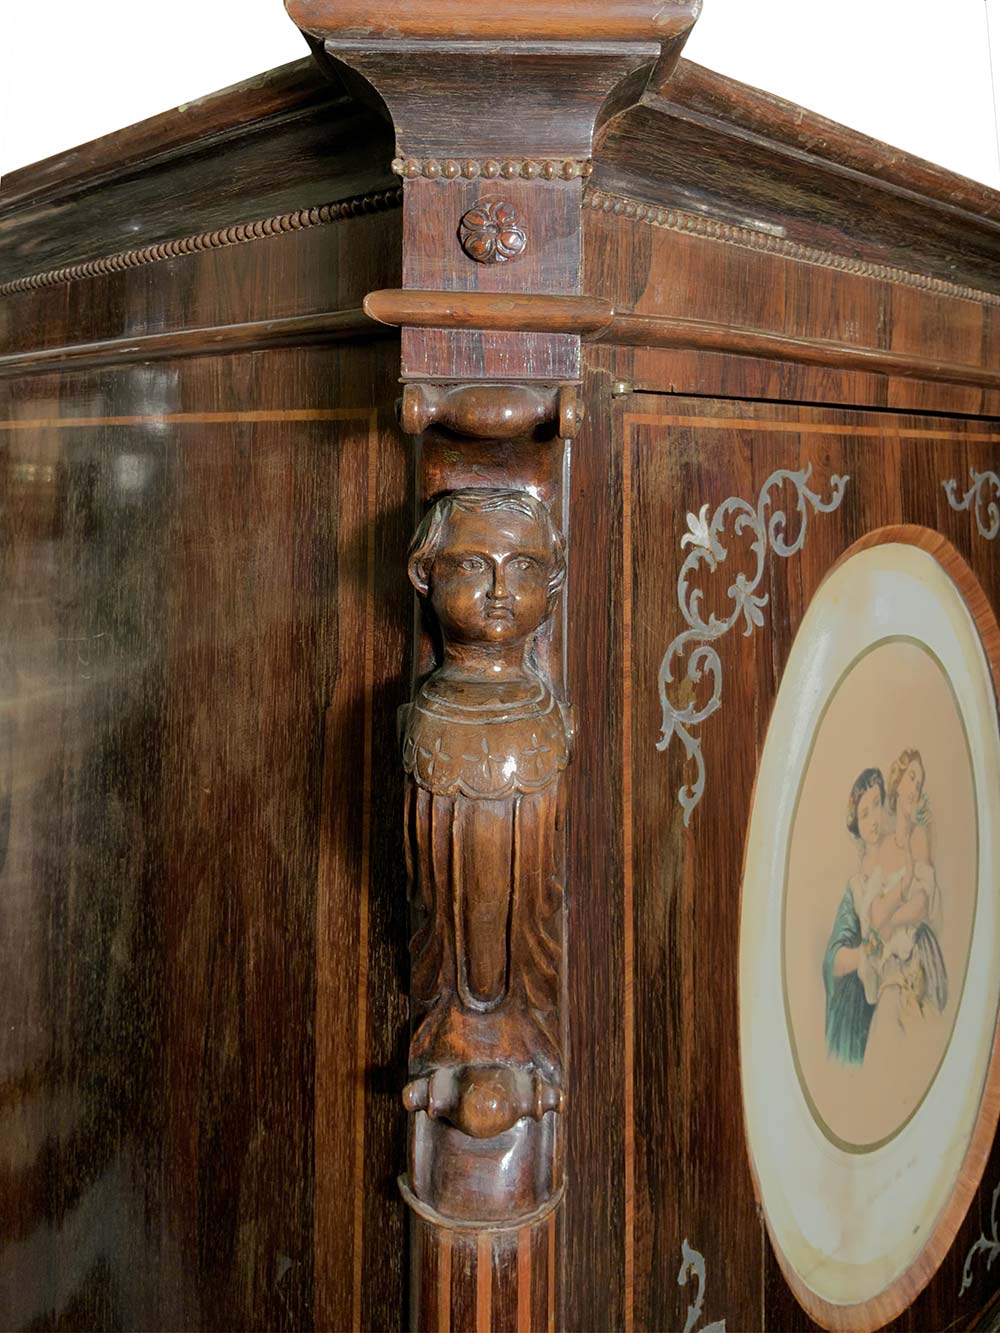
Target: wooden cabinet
472,950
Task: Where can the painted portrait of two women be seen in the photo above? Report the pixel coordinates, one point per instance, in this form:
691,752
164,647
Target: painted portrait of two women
880,893
883,969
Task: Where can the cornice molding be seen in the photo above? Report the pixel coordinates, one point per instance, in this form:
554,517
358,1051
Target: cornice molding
254,336
517,20
278,96
301,219
595,319
713,229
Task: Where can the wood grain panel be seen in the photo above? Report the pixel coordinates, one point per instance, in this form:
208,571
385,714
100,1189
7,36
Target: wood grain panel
172,621
664,273
685,937
692,1181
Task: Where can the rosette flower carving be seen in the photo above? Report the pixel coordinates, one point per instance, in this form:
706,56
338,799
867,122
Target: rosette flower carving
491,233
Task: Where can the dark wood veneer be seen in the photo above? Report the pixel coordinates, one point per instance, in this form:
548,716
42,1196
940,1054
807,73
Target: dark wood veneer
207,630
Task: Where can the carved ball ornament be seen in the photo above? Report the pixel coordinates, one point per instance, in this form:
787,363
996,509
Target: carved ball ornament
491,233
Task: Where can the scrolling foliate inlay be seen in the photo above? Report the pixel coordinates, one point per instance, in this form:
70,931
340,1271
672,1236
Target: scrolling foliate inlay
693,1266
980,499
484,744
767,527
988,1245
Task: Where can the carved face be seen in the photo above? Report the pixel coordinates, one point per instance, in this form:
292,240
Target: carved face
490,579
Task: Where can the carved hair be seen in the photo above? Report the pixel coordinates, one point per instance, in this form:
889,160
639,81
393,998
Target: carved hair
871,777
427,540
899,767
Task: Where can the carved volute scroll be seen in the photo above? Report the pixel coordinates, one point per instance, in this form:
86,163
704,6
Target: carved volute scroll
484,744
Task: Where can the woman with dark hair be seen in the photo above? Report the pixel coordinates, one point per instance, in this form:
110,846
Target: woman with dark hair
851,991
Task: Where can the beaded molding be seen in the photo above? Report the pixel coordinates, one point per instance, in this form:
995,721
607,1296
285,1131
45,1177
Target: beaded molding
451,168
674,219
301,220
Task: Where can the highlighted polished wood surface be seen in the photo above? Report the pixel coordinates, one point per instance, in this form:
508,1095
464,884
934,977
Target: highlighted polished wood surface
522,21
183,675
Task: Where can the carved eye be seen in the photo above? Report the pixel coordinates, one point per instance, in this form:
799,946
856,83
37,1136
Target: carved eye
471,564
522,562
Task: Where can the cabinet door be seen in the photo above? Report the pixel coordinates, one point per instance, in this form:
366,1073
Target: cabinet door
808,756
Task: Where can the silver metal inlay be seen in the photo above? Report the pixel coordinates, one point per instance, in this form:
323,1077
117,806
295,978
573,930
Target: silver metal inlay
693,1265
980,499
767,526
988,1245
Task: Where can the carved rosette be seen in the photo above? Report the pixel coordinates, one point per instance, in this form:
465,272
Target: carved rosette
491,233
484,744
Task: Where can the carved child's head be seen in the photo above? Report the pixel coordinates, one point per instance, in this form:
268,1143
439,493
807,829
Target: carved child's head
492,564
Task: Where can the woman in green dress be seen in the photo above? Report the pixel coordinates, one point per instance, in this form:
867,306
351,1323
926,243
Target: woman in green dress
850,1005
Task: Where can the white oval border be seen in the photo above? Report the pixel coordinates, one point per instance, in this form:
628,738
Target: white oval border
850,1225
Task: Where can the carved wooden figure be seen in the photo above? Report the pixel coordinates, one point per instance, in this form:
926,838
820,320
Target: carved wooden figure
485,742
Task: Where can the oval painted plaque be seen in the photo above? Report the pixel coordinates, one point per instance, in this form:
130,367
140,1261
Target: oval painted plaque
880,893
870,929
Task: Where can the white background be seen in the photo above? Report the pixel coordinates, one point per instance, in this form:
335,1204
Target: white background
915,73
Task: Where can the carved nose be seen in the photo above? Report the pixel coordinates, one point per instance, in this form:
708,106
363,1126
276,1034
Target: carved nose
499,584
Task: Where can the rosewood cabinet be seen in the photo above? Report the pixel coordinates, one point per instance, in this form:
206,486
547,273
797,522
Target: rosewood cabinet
499,765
